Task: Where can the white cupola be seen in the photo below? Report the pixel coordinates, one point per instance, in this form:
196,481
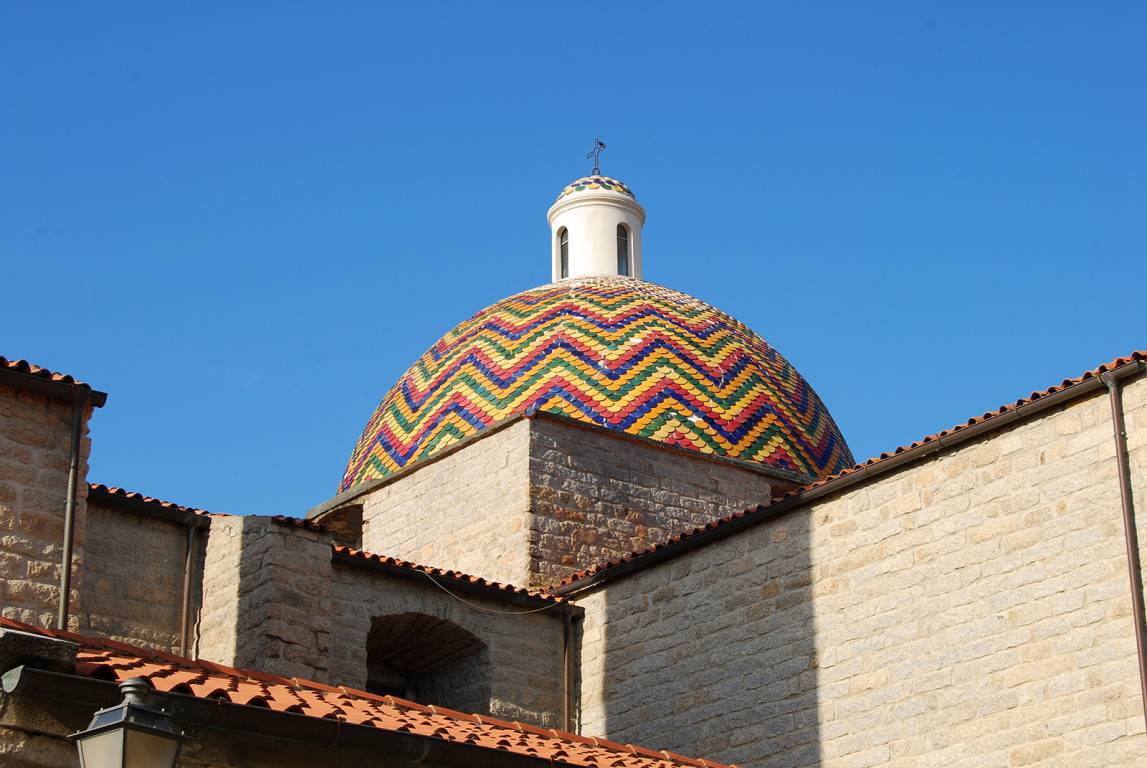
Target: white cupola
595,227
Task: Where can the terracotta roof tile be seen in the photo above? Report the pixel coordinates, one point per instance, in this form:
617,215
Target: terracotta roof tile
1138,355
23,366
121,493
58,384
207,680
439,573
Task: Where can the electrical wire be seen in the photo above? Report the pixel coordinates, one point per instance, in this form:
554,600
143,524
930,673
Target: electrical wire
483,609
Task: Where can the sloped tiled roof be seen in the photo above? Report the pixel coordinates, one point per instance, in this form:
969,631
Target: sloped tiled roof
1136,356
126,495
495,588
23,366
109,660
31,369
439,573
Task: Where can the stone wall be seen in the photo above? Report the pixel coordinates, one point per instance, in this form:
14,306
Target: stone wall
971,609
596,495
543,497
266,600
35,444
520,664
273,600
466,511
133,577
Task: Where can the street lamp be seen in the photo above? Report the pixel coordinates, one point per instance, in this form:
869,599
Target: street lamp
129,735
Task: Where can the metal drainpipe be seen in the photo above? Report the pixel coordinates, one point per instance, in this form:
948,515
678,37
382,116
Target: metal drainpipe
79,404
567,669
185,610
1115,389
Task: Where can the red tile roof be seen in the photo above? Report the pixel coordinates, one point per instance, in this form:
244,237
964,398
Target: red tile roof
351,553
439,573
1134,357
31,369
99,489
110,660
23,366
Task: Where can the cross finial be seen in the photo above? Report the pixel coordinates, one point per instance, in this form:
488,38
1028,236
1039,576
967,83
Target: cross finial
594,154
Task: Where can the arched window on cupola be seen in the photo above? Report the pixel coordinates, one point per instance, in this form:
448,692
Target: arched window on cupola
622,250
564,251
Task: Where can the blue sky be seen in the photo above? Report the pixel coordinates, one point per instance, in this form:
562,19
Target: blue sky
244,221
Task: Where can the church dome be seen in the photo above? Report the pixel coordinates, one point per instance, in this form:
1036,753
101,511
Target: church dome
596,181
613,351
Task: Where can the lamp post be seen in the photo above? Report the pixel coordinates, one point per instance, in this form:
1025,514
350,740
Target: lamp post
129,735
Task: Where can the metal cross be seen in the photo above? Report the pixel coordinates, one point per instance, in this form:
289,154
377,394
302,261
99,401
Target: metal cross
594,154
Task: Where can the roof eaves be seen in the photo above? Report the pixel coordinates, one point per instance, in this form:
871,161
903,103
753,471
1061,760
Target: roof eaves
304,710
457,580
121,498
22,374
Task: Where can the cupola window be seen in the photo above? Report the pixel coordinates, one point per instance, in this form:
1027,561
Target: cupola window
622,250
564,252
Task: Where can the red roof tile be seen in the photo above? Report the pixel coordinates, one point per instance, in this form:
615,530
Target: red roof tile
23,366
1137,356
121,493
31,369
116,661
439,573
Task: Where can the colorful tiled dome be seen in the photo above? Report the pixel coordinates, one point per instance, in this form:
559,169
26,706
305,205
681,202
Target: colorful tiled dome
597,182
613,351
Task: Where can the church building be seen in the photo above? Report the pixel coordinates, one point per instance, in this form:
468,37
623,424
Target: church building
602,524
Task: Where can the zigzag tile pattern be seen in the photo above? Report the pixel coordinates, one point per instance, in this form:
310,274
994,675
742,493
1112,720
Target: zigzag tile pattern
617,352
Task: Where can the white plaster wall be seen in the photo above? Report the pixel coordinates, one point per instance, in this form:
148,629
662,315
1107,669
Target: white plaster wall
591,218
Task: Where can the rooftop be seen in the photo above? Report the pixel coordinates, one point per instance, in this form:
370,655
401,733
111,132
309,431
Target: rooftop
32,376
174,675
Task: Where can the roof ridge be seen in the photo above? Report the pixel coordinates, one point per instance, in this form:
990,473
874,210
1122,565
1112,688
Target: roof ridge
605,565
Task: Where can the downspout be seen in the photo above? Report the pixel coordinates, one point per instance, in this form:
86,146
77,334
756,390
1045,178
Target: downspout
567,669
79,405
1115,389
185,610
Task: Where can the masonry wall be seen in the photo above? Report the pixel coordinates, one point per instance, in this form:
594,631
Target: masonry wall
972,609
133,577
466,511
542,498
595,496
35,442
274,601
266,599
520,667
